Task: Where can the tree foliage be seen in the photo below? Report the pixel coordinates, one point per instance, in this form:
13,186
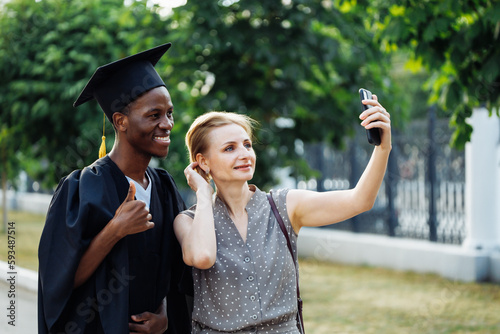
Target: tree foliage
48,51
457,40
295,66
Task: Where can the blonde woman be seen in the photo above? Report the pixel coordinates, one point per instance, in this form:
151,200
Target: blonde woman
244,275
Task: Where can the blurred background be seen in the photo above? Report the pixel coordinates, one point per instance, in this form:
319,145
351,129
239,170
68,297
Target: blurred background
293,65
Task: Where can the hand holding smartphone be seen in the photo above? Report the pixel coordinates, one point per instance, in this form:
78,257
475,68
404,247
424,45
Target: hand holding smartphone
373,135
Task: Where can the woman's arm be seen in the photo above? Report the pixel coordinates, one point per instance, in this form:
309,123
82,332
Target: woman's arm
197,236
309,208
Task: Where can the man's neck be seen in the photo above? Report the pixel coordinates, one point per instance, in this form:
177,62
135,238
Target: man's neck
132,165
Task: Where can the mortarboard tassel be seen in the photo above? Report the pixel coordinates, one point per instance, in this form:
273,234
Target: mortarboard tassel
102,149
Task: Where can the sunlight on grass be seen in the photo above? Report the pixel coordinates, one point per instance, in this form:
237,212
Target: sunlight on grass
350,299
28,228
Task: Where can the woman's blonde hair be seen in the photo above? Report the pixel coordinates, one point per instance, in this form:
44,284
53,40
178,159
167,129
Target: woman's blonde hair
197,137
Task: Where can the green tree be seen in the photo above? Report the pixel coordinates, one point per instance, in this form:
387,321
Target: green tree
295,66
457,41
48,51
9,163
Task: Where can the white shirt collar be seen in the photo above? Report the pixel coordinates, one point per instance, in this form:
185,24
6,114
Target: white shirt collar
142,194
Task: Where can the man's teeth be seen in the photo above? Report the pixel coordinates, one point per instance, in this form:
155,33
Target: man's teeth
162,138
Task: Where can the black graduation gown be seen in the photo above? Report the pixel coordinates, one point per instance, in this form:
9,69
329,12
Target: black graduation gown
135,276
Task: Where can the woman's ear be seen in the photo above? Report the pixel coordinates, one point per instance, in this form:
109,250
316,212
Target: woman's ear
202,163
120,121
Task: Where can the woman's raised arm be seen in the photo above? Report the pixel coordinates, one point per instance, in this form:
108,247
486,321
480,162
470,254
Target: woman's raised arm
310,208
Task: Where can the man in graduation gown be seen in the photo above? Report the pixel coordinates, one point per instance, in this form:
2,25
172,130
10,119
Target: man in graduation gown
109,261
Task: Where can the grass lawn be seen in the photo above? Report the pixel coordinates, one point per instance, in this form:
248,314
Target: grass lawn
28,228
351,299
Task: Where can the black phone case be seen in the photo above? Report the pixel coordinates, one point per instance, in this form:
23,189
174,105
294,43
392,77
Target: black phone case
373,135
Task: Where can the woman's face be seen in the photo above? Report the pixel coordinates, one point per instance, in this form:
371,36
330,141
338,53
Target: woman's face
230,154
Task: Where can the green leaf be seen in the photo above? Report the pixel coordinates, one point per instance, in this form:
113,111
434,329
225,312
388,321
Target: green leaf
430,32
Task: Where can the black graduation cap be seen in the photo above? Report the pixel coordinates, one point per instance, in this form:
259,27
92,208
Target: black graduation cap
117,84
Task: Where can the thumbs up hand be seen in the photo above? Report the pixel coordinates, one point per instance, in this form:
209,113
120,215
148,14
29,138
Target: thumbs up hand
132,217
131,193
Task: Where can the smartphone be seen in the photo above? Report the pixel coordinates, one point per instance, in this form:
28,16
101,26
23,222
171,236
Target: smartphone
373,135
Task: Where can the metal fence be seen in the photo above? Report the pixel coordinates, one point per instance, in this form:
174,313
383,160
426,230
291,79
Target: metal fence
423,194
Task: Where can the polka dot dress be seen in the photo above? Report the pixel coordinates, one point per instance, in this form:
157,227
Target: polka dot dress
252,286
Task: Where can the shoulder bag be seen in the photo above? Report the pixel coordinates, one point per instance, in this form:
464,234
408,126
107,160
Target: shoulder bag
300,322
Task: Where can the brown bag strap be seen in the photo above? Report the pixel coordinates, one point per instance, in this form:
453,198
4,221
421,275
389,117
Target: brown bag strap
289,244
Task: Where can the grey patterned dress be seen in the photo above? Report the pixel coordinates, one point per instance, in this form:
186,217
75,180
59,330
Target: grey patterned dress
252,286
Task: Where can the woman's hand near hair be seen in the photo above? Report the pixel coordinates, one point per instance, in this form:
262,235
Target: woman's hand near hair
197,236
195,181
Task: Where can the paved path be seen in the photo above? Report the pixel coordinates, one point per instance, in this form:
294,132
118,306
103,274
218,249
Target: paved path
25,312
24,288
